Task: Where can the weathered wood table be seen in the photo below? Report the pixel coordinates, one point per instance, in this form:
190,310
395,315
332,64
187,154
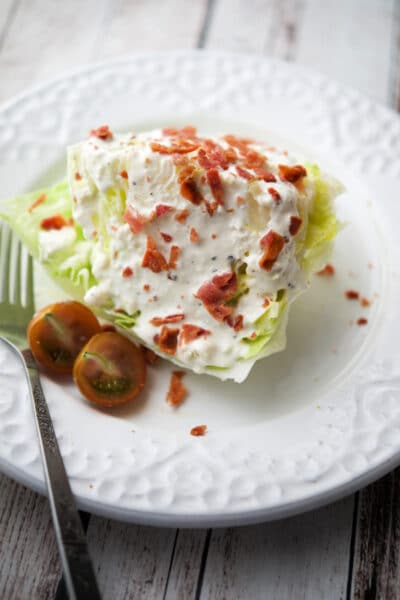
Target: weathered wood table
347,550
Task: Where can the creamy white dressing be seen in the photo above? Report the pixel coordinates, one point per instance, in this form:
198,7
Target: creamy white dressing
233,232
54,240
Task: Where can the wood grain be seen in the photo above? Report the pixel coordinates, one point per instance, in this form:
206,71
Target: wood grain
7,11
188,561
303,557
150,25
356,42
29,564
132,562
350,42
376,572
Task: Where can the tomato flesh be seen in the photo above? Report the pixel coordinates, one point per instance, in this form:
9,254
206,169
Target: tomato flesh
58,332
110,370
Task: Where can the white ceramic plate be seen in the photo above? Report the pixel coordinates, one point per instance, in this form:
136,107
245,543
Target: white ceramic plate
310,424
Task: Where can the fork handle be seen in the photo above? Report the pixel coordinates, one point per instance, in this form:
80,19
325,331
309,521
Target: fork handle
78,570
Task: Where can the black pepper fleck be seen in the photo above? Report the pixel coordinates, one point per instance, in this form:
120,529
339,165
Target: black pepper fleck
213,258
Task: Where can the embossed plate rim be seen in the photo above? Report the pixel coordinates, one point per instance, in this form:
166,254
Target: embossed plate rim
347,481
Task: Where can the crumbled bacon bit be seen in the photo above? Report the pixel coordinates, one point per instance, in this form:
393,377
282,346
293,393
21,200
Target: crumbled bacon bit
253,335
238,323
149,356
295,224
240,143
162,209
177,391
264,175
188,131
181,216
158,321
55,222
327,271
352,295
212,155
292,174
215,183
213,294
182,147
170,131
254,160
189,189
166,237
275,194
78,176
174,254
240,200
103,132
153,259
365,302
194,236
189,333
39,200
273,244
199,430
146,287
243,173
167,340
266,302
362,321
214,236
124,174
134,219
127,272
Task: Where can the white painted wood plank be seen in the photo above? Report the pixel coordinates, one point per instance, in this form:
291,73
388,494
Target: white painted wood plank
5,13
300,558
189,553
240,25
132,562
268,26
45,39
60,36
350,42
150,25
29,564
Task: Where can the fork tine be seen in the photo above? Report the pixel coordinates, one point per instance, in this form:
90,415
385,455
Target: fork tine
30,302
5,263
17,274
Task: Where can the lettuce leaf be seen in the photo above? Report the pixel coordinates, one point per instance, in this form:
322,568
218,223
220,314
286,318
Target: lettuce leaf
69,260
69,264
322,225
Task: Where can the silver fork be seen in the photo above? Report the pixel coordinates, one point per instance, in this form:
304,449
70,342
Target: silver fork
16,310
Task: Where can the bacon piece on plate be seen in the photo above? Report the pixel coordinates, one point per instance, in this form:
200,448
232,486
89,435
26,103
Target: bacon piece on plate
190,333
167,340
55,222
272,243
295,224
291,174
215,293
157,321
103,132
134,219
177,391
153,259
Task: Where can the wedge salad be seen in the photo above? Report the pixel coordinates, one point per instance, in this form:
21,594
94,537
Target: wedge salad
193,246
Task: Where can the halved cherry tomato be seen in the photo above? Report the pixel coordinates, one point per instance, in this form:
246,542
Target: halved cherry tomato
58,332
110,370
